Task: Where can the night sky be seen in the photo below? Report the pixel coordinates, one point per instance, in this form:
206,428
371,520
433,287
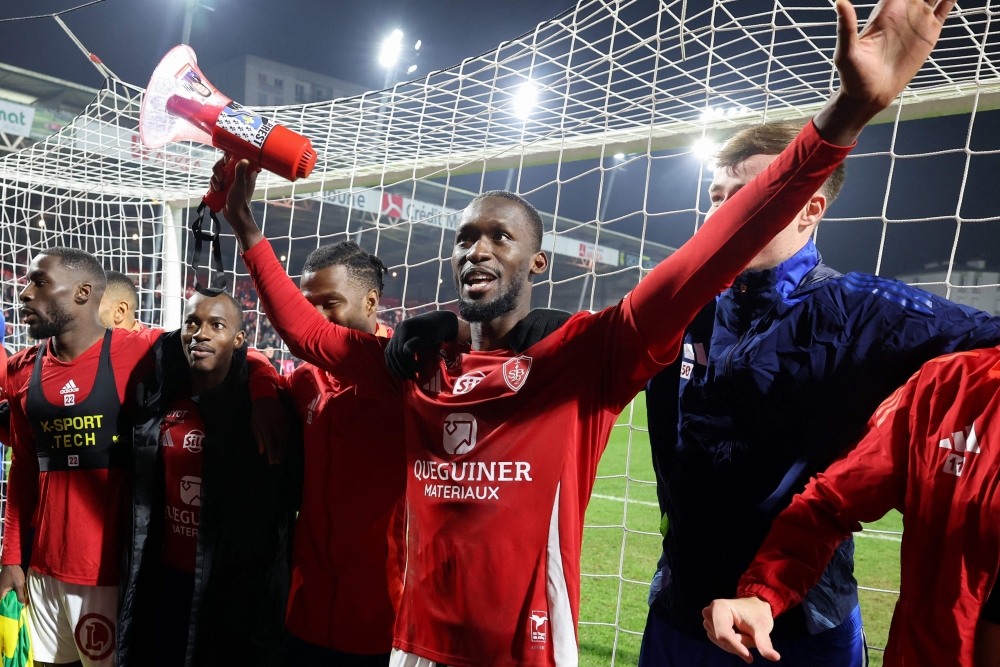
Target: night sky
341,39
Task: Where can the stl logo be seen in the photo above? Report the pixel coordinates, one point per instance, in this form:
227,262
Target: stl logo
467,382
538,619
515,371
392,205
191,490
192,441
95,636
459,433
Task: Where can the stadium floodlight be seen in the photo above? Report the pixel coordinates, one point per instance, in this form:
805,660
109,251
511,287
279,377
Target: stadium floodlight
525,99
416,47
391,46
411,69
704,150
619,156
135,236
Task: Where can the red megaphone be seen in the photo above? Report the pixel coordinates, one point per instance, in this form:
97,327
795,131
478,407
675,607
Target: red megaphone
181,105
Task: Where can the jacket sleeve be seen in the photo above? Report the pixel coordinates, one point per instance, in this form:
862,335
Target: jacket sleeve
264,380
863,485
22,490
937,327
352,355
655,314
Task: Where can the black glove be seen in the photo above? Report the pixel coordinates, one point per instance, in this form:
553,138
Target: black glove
416,334
538,324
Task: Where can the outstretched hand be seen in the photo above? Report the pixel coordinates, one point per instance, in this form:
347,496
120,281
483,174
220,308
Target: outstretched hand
878,64
738,625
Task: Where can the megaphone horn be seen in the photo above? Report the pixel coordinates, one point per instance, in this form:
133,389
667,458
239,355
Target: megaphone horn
180,104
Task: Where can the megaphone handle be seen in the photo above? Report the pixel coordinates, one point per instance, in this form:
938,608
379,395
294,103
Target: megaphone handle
216,200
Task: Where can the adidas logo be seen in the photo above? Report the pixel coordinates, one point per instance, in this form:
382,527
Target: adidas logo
69,388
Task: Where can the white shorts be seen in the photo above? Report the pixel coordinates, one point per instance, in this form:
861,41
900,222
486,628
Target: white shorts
71,622
402,659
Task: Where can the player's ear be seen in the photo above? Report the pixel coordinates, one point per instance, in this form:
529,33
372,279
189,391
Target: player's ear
83,293
371,302
241,337
120,312
813,212
539,263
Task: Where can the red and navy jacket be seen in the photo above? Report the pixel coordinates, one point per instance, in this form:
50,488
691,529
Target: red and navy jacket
777,377
930,452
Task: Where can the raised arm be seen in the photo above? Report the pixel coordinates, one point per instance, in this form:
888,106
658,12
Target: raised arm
874,68
862,486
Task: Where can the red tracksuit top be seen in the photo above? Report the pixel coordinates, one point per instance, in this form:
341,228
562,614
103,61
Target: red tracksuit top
354,478
76,514
930,452
502,449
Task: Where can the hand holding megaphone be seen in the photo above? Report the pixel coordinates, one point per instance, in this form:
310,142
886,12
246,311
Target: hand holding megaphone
234,180
181,105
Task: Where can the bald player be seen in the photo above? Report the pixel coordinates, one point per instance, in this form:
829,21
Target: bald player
119,303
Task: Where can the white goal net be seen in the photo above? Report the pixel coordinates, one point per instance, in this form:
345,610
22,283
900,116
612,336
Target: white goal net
599,117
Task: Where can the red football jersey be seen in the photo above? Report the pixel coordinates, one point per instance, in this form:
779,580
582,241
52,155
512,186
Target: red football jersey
354,478
76,513
502,448
181,436
930,452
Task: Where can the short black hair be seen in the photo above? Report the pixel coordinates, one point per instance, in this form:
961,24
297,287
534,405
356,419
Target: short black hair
122,286
212,293
533,215
364,268
79,260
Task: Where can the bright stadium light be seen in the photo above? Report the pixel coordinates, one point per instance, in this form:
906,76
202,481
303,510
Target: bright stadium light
619,156
411,69
135,236
524,100
416,47
704,151
391,46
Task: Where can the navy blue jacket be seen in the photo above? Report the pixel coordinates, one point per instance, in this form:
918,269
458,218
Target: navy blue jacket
777,377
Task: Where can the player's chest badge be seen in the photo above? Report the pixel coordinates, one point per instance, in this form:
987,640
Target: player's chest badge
515,372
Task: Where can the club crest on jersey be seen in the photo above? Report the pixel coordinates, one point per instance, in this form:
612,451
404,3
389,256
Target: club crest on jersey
515,372
538,621
459,433
467,382
191,490
192,441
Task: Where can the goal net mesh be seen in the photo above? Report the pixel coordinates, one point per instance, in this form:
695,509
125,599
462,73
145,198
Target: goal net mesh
600,117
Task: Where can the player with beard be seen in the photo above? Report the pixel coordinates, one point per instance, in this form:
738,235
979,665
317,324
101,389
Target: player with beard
119,303
502,448
67,481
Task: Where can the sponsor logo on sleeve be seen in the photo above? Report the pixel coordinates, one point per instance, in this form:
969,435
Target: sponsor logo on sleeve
960,443
515,371
312,409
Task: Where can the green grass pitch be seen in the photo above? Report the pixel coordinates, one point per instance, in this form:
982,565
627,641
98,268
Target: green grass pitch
622,545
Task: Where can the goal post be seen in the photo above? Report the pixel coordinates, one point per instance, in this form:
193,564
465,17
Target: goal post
594,117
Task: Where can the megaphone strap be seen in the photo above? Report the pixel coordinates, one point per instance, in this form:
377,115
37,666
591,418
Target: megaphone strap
211,235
